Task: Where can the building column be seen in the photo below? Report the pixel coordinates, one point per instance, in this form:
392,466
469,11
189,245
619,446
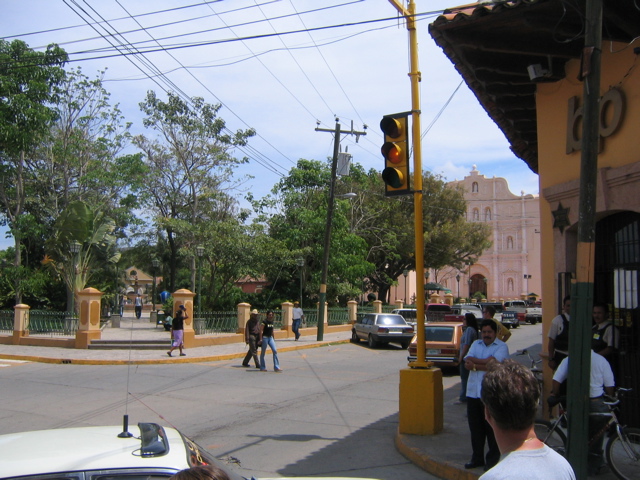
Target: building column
287,316
244,310
20,318
352,308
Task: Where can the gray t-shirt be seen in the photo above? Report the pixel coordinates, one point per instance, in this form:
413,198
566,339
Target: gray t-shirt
539,464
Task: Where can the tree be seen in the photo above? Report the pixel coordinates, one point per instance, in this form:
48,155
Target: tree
190,168
27,81
94,232
295,214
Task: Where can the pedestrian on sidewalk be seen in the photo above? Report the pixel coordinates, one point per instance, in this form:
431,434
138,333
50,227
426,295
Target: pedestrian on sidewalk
266,338
511,393
252,332
481,354
177,330
138,306
503,332
298,316
470,335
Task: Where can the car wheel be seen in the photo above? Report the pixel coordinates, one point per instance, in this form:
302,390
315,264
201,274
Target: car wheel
372,342
354,337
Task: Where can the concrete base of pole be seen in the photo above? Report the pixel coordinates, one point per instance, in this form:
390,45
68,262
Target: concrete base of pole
421,401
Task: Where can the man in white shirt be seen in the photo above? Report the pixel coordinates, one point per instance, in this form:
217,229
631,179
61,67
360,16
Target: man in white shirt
511,393
482,353
601,381
298,316
558,342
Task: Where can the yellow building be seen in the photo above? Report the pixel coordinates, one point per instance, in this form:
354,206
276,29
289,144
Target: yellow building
522,60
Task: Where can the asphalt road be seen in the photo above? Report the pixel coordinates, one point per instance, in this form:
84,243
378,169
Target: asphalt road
332,412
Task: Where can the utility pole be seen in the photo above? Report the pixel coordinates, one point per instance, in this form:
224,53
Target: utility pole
582,289
322,299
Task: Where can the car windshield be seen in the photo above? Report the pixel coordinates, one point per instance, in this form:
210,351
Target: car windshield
438,334
391,320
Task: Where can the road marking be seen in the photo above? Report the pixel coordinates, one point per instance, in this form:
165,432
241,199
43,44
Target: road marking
6,362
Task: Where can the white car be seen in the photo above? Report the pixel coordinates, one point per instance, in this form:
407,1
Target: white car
92,453
146,451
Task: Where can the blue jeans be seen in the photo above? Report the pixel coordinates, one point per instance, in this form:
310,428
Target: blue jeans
272,345
296,327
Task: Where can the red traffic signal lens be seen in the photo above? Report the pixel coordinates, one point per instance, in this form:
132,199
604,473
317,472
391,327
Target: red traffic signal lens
391,127
392,152
393,177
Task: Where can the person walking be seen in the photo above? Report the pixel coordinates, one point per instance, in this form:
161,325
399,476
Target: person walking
481,354
138,306
266,338
470,335
252,332
511,394
298,316
177,330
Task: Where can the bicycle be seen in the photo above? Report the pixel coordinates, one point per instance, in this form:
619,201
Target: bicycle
537,371
622,451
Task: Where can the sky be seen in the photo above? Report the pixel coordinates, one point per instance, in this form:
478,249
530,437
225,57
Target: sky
281,67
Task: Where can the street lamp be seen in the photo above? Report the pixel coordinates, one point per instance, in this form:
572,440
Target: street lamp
486,288
300,262
75,247
155,263
200,253
458,280
470,282
405,272
527,277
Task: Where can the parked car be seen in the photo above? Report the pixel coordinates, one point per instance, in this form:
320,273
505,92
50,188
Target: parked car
526,313
436,312
91,453
462,308
382,328
409,314
150,452
442,344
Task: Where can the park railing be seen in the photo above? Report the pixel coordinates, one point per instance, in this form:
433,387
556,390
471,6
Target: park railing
337,316
6,321
216,322
47,322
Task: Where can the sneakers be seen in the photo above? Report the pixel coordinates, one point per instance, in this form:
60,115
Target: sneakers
245,365
183,354
169,353
278,370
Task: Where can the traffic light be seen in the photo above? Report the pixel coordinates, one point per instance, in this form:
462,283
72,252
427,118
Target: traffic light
396,154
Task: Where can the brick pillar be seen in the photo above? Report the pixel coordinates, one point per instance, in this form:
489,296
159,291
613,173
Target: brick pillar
89,324
435,298
244,311
20,317
399,304
287,316
377,306
352,308
185,297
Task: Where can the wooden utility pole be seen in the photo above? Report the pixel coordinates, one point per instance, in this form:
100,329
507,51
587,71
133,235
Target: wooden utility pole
322,298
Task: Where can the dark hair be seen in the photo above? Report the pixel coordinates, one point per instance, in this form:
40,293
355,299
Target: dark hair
602,305
511,393
269,311
202,472
491,309
490,323
564,300
471,321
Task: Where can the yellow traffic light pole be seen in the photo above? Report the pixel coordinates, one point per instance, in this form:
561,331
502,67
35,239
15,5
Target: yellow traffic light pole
421,395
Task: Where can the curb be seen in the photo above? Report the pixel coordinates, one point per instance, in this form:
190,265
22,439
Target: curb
155,361
440,469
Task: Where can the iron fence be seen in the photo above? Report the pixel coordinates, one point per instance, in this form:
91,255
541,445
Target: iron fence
47,322
216,322
6,321
337,316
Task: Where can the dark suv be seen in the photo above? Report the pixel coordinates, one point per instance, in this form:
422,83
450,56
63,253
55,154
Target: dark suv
382,328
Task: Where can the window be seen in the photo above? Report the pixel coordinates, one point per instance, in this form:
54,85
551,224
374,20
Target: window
474,187
476,214
487,214
509,243
510,284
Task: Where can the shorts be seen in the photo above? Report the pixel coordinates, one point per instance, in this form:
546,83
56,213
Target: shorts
178,338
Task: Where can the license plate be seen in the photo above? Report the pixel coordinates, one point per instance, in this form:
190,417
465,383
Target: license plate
395,330
433,351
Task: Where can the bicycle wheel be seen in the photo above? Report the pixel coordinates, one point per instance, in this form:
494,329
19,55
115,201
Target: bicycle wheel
623,454
554,438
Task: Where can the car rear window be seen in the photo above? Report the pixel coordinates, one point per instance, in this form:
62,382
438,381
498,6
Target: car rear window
438,334
438,308
391,320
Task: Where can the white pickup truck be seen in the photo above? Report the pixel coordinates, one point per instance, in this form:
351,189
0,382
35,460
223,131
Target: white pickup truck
525,313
